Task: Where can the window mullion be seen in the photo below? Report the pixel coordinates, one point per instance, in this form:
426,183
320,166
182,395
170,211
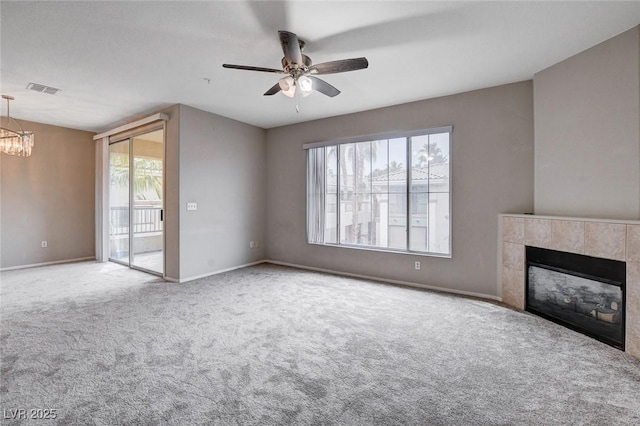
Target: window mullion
372,220
338,195
409,167
428,193
324,193
388,192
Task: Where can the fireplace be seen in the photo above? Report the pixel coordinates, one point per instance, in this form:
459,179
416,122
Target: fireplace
584,293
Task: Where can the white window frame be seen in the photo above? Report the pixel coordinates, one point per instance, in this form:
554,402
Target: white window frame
392,135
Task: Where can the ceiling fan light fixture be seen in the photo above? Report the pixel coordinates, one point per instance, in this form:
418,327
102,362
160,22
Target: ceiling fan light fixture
288,86
306,85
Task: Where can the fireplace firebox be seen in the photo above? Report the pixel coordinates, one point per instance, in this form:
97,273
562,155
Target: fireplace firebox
584,293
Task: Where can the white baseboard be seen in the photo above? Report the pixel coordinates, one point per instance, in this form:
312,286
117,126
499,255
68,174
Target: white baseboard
55,262
292,265
195,277
390,281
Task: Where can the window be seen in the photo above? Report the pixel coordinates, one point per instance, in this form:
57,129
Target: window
388,193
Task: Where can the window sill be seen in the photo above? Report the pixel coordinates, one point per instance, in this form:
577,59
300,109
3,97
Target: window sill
384,250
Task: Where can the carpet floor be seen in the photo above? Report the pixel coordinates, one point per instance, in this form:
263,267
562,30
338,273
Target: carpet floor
102,344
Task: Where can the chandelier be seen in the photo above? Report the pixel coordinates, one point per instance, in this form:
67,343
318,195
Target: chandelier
14,141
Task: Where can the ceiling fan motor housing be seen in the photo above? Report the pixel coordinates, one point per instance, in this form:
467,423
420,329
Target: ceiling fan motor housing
291,68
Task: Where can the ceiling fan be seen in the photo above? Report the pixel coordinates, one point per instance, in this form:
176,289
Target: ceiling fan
300,72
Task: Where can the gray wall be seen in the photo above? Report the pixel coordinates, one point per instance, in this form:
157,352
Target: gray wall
492,173
172,193
587,135
222,168
48,196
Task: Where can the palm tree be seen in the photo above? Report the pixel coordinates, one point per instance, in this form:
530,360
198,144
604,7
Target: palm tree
363,151
431,153
394,167
352,153
147,175
333,154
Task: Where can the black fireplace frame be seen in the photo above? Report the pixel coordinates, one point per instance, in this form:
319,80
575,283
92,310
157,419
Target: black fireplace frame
593,268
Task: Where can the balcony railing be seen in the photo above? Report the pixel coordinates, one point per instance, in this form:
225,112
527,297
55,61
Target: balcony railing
146,219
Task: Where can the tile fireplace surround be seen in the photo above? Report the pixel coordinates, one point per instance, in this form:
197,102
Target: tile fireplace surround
609,239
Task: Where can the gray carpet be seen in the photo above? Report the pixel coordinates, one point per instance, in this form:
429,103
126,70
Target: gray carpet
275,345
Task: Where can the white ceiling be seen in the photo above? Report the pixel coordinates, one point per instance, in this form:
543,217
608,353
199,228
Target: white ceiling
116,60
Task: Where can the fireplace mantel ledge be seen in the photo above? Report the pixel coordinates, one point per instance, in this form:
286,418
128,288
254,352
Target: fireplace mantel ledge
572,219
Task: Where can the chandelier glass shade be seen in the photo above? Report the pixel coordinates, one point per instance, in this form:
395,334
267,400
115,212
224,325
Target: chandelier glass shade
13,139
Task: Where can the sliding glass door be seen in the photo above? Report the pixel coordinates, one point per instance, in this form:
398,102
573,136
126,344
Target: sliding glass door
136,201
147,248
119,201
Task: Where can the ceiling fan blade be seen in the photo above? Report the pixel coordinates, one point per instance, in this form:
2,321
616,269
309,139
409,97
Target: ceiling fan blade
291,47
275,89
324,87
342,65
249,68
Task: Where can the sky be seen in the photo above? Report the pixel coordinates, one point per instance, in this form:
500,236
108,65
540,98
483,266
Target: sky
389,150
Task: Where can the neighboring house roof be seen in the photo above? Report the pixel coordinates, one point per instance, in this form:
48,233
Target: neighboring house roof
434,171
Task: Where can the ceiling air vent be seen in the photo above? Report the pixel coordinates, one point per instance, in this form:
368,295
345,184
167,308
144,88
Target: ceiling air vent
42,88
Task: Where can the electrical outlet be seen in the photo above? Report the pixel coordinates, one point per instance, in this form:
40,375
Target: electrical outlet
417,266
192,206
44,244
252,244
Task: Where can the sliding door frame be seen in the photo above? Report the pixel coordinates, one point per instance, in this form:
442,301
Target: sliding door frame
128,131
